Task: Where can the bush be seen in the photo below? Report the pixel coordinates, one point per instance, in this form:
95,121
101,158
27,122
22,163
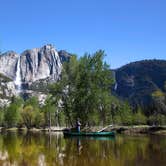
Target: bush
158,119
12,116
139,118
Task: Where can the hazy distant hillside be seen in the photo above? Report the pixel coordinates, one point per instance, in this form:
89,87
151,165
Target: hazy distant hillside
138,81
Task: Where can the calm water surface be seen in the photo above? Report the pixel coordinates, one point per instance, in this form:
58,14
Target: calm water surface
39,149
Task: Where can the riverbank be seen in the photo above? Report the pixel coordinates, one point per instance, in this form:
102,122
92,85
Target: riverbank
141,129
131,130
128,130
52,129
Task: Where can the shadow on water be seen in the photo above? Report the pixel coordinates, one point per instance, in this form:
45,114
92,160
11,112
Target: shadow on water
28,148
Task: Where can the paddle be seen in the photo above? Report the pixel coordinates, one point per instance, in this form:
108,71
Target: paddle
104,128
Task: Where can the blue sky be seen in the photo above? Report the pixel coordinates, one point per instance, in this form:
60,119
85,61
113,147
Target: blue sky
128,30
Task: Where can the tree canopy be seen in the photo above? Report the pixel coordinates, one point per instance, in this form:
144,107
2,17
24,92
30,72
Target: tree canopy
84,88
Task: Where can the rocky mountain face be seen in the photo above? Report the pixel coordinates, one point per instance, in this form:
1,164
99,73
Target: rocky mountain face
35,64
7,90
8,63
64,56
138,81
33,67
40,63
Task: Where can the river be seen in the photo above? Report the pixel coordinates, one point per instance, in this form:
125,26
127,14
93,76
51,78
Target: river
43,149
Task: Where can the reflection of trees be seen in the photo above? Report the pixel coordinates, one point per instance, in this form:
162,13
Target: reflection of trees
11,144
92,152
31,148
34,148
125,150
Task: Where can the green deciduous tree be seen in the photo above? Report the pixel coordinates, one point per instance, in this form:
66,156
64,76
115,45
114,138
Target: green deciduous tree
49,112
123,114
31,114
28,116
139,118
158,119
1,116
84,89
12,115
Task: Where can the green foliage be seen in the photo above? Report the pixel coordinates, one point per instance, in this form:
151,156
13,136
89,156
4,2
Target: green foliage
39,119
33,101
92,87
49,112
139,118
1,117
85,93
12,115
123,114
61,118
84,90
28,116
159,99
20,113
158,119
31,114
64,90
126,114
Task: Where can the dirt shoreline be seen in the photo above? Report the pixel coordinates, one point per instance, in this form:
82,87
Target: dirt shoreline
128,130
145,129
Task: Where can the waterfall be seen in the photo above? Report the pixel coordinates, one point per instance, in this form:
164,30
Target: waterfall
116,85
18,75
56,63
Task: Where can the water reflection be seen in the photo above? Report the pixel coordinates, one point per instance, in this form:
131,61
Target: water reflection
39,149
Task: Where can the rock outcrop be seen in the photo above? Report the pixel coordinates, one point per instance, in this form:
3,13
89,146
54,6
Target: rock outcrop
8,63
40,63
35,64
36,68
64,56
7,90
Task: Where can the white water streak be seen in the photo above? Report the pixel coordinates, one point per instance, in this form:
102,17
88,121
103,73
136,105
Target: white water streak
116,86
18,75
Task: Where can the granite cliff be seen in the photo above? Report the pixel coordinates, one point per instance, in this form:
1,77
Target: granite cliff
32,69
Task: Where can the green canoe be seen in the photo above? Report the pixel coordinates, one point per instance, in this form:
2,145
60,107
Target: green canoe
92,134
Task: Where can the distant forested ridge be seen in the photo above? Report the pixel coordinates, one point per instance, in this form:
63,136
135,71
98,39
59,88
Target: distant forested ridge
143,84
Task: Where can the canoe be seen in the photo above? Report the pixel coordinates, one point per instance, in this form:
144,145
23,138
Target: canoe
92,134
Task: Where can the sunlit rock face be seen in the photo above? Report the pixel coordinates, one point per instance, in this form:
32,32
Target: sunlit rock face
31,70
34,64
40,63
8,63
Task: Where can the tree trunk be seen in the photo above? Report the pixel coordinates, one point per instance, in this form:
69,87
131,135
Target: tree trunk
49,122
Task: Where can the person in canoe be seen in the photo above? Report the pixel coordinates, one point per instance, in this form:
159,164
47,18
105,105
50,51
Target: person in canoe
78,125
